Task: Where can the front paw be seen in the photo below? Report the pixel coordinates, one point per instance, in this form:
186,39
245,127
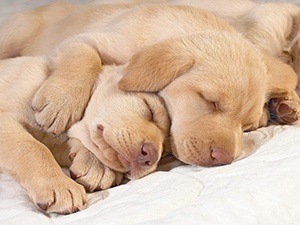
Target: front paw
58,194
57,105
87,170
284,110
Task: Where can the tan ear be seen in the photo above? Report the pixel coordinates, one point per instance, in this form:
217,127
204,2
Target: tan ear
283,79
154,67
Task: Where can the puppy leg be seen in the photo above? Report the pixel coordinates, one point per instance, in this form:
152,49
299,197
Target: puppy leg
33,166
284,102
87,170
61,100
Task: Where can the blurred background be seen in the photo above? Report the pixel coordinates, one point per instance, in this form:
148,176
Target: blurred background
8,7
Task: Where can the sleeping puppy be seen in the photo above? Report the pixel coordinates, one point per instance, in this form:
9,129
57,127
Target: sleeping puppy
124,130
215,83
273,27
210,106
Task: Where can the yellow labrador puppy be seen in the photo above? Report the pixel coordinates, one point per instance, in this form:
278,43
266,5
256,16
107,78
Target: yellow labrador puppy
126,131
215,83
271,26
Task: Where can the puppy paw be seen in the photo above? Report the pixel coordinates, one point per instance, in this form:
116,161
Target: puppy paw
58,195
284,110
87,170
58,105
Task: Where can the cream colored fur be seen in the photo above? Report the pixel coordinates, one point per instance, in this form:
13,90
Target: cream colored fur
21,155
128,122
223,73
272,26
25,147
215,82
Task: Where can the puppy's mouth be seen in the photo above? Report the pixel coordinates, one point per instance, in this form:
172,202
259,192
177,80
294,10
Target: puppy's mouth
125,163
109,156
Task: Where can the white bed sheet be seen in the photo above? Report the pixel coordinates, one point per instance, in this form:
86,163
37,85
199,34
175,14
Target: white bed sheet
260,189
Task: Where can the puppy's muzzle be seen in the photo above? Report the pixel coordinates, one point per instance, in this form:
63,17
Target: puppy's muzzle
214,149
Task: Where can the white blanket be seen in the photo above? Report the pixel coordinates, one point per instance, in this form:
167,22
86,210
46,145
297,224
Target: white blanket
260,189
263,188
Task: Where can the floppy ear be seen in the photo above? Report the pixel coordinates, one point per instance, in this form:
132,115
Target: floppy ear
154,67
283,79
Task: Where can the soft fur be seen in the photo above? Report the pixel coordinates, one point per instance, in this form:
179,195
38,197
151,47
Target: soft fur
272,26
133,128
125,131
215,82
226,79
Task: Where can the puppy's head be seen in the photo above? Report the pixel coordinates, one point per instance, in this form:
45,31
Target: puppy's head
214,85
128,129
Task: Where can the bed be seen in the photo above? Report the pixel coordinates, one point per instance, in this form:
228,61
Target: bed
262,188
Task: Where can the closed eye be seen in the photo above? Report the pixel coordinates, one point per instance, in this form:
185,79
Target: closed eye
149,113
214,105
